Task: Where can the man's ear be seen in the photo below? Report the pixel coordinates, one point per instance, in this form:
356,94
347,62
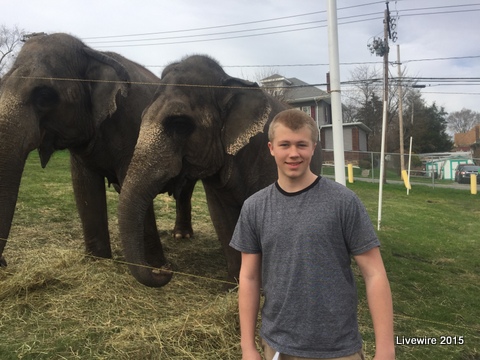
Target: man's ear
270,146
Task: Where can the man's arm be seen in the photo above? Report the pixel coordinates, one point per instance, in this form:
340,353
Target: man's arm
249,302
379,299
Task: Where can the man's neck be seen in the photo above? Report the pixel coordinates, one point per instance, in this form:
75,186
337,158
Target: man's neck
292,185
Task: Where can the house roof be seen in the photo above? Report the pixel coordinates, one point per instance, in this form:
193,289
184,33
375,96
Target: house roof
296,90
357,124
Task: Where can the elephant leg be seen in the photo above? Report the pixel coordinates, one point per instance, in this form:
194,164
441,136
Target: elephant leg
90,196
153,246
183,222
224,213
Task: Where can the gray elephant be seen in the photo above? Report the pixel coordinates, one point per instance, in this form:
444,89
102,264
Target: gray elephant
61,94
202,124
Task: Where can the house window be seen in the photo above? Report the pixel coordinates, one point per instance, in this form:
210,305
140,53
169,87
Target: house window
307,110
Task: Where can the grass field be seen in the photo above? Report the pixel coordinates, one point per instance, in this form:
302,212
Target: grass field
58,304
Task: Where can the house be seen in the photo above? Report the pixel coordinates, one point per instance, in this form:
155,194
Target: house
354,136
299,94
469,141
317,104
355,140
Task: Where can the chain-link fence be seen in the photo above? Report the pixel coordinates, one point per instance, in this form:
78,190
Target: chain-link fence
423,167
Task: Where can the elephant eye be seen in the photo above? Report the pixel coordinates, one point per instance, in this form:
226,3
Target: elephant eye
179,125
44,98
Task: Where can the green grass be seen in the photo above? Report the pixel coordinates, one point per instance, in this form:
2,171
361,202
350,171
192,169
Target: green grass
430,243
57,304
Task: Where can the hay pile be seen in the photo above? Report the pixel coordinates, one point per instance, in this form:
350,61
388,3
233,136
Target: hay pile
58,304
65,306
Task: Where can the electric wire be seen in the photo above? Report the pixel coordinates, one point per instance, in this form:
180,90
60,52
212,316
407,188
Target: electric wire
342,21
341,63
213,280
408,82
231,25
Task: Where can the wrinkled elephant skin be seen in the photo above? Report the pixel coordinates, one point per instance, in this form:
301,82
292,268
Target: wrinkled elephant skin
61,94
202,124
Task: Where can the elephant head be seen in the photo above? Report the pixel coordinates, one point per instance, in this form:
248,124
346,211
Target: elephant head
51,99
202,124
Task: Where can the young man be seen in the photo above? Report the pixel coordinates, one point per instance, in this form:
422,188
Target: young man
297,237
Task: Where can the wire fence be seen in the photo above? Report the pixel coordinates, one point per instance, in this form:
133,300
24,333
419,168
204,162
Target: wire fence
423,167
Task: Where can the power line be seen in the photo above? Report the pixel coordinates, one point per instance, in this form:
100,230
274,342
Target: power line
405,80
344,21
208,27
442,7
279,18
217,39
442,12
231,25
443,58
215,34
342,63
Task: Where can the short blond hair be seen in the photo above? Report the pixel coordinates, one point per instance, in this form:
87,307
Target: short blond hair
294,119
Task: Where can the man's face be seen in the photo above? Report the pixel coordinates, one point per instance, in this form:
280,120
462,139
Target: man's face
293,151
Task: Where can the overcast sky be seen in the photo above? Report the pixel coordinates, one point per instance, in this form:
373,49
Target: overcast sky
438,38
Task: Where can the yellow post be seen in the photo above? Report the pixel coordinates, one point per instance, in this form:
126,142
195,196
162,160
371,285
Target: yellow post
473,184
405,180
350,173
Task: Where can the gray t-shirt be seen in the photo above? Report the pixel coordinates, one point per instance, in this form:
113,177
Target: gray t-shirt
306,240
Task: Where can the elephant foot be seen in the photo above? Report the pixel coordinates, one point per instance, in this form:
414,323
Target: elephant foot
104,252
3,262
179,233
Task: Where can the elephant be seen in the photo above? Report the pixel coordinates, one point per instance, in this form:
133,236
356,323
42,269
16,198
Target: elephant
62,94
201,125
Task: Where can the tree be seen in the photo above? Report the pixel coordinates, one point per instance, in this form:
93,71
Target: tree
10,40
462,121
371,114
427,126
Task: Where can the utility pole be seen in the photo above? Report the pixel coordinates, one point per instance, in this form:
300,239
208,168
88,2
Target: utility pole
380,48
400,112
382,179
337,121
386,31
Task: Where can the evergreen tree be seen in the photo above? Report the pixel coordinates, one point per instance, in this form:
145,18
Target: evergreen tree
371,113
429,128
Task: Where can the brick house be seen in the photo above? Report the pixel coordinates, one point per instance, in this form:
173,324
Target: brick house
317,104
299,94
469,141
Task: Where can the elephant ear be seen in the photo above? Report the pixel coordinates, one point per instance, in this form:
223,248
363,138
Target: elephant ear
246,110
108,78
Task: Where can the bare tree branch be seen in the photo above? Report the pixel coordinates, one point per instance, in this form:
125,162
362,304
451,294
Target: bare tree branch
463,121
10,40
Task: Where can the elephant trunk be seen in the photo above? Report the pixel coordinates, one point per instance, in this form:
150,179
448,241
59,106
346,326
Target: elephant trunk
17,139
10,176
147,176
